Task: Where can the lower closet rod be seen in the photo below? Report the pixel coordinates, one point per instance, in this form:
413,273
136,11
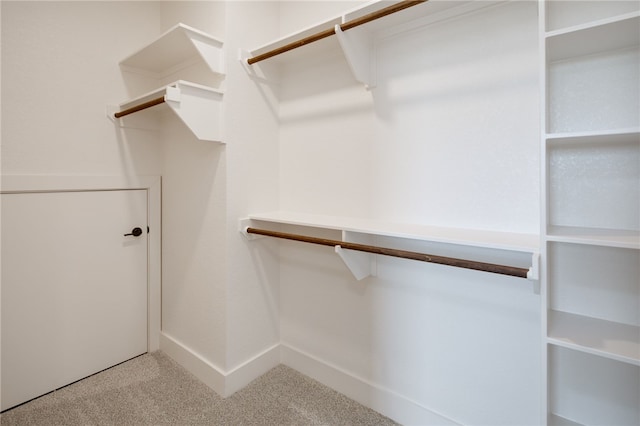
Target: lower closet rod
404,254
149,104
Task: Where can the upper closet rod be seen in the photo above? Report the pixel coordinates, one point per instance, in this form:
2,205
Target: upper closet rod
450,261
148,104
344,27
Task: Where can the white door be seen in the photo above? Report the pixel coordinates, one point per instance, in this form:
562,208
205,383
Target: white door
74,287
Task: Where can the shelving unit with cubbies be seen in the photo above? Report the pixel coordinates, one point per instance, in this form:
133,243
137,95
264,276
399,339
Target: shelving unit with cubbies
591,211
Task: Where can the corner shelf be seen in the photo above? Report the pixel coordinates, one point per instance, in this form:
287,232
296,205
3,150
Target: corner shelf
198,107
364,230
178,47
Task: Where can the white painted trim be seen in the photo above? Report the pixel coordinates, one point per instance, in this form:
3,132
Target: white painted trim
378,398
153,185
194,363
251,369
154,271
223,383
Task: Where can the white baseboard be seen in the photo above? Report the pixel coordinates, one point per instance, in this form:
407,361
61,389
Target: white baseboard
206,372
382,400
250,370
224,384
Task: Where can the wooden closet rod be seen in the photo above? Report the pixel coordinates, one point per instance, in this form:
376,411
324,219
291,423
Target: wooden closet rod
450,261
145,105
344,27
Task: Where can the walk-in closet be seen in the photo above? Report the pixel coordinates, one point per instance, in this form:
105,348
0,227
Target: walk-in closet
431,207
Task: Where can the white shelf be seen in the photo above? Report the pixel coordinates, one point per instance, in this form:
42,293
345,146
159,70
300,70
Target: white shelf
429,8
624,136
567,14
527,243
555,420
198,107
592,390
364,231
605,35
594,236
620,342
357,44
178,47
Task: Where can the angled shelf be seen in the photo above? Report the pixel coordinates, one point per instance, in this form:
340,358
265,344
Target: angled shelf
178,47
198,107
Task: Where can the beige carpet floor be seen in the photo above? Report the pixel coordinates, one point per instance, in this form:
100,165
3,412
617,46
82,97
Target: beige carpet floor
154,390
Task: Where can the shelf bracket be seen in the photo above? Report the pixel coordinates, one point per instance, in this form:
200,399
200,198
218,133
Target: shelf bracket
361,265
533,274
243,56
534,270
245,223
197,109
358,50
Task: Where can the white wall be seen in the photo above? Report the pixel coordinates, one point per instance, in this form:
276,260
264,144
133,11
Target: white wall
449,137
60,70
457,124
252,185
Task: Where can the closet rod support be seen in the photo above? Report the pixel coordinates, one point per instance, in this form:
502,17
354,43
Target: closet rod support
140,107
404,4
404,254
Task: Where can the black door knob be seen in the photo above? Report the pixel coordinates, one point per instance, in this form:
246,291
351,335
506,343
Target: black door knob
136,232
